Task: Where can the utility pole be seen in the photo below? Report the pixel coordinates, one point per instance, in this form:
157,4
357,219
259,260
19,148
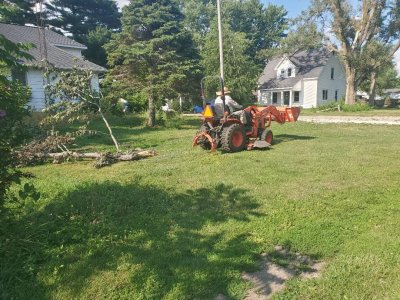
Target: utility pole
221,52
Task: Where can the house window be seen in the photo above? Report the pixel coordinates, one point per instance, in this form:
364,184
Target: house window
282,73
336,95
289,72
324,94
19,76
274,98
296,96
332,73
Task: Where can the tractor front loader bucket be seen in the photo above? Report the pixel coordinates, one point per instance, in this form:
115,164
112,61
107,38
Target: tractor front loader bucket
291,113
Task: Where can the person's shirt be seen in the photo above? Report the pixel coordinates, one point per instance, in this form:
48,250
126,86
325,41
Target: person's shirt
219,105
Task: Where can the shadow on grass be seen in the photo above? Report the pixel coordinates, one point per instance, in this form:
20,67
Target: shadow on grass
150,243
282,138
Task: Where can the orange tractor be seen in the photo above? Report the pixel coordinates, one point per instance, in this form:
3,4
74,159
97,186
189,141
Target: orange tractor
231,134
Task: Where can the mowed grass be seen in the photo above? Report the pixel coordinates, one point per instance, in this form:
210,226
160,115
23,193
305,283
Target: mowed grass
186,224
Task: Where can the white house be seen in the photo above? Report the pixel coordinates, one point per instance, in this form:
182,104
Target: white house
61,53
307,79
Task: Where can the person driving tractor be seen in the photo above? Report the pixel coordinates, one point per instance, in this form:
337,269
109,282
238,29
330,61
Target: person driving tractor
234,107
229,102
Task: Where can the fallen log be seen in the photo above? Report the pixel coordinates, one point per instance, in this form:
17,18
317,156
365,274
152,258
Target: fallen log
136,155
102,159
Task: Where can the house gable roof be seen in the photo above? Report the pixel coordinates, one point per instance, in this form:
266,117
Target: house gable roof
283,59
310,64
57,57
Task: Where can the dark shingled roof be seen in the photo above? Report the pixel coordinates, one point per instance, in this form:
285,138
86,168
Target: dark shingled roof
57,57
310,64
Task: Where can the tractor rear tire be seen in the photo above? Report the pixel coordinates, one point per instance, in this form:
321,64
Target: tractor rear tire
203,142
267,136
233,138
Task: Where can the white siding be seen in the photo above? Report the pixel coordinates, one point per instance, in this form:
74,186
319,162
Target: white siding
285,65
338,83
310,88
34,79
94,83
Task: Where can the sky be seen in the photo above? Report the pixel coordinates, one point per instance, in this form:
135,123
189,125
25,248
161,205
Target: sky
294,8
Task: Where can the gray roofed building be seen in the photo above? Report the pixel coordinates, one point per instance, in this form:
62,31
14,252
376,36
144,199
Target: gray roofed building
309,63
61,53
307,79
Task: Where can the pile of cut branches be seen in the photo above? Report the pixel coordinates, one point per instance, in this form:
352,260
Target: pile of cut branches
56,148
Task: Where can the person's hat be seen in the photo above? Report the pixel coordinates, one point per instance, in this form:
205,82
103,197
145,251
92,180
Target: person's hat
226,91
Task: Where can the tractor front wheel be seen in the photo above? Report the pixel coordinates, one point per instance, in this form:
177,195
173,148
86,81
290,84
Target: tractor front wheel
203,142
233,138
267,136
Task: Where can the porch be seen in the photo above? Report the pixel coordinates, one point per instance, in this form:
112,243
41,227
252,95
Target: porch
280,98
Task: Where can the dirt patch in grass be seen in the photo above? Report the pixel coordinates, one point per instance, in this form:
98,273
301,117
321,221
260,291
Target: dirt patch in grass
278,267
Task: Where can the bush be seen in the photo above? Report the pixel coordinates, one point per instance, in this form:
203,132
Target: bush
334,105
328,106
355,107
13,100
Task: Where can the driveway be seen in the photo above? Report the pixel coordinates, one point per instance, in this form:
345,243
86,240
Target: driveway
351,119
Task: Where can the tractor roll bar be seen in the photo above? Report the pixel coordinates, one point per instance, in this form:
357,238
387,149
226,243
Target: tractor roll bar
222,84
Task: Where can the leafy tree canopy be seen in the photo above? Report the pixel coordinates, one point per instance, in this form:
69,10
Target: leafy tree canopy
154,52
94,41
17,11
263,26
13,100
80,17
240,71
355,28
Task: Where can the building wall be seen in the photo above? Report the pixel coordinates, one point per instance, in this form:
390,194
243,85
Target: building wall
338,83
310,89
36,82
285,65
34,79
95,82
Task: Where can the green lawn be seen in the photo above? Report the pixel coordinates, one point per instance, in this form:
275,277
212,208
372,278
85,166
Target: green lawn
186,223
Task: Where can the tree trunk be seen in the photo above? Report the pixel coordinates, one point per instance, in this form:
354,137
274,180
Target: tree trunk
350,85
110,131
372,89
152,111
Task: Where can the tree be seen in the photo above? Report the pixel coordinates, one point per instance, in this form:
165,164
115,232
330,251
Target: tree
17,12
382,50
95,40
13,100
154,52
77,100
304,36
240,71
385,78
90,22
80,17
198,15
263,26
354,30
